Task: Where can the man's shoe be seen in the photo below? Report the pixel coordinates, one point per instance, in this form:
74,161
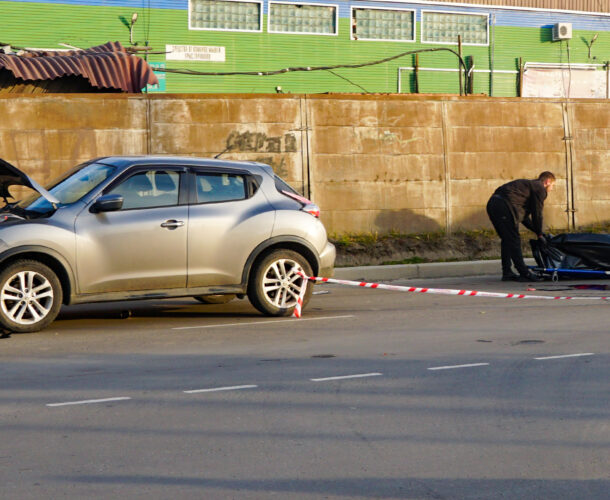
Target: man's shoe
510,277
530,277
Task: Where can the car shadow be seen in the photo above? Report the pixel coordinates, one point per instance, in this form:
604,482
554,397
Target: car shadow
170,309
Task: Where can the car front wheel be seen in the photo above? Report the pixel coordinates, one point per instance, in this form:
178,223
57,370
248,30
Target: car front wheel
275,283
30,296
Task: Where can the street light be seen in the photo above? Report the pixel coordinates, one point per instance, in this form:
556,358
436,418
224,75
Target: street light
134,18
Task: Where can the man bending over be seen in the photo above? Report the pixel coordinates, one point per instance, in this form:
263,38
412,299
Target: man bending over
519,201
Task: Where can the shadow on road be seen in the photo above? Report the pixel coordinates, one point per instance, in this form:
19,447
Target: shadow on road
184,308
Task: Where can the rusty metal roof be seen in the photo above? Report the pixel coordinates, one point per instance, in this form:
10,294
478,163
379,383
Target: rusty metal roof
572,5
107,66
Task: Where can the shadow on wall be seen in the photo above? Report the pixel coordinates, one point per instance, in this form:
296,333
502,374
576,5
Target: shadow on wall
405,221
553,217
476,220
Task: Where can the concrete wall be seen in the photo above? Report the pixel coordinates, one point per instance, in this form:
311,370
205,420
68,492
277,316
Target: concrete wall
372,162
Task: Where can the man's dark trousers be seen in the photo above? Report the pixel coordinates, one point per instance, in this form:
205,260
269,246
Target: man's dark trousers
507,228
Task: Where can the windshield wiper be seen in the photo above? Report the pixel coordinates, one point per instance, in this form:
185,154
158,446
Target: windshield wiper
8,207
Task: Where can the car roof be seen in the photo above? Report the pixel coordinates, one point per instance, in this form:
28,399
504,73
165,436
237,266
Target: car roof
130,161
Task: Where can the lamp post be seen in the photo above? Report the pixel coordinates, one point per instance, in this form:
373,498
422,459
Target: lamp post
134,18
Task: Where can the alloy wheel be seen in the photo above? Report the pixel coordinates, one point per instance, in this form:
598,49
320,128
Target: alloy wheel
26,297
282,283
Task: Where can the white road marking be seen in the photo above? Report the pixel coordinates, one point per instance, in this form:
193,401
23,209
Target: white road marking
292,320
451,367
216,389
361,375
568,356
89,401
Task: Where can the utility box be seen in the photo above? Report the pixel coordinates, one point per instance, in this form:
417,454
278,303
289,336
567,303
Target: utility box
562,31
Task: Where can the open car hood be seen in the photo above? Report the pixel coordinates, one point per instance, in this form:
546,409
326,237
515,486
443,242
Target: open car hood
12,176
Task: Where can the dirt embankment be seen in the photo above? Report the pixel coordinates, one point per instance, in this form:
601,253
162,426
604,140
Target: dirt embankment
373,249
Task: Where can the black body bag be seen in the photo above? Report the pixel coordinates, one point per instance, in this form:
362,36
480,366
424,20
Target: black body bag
579,251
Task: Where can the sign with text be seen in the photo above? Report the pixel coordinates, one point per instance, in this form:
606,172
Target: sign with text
195,53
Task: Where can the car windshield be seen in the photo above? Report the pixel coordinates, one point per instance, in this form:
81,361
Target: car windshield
68,188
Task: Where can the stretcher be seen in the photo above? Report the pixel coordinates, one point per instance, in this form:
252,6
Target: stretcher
576,256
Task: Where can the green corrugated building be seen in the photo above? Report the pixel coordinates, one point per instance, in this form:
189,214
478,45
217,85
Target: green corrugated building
562,51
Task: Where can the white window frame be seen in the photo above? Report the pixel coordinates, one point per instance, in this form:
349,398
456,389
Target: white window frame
476,14
336,7
451,70
260,20
360,7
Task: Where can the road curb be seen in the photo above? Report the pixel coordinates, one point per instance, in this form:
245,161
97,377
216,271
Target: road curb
422,271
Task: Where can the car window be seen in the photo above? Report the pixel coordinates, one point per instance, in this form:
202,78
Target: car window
152,188
69,188
282,186
214,188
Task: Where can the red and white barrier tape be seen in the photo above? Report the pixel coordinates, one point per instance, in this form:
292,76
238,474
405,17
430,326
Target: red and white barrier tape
298,308
437,291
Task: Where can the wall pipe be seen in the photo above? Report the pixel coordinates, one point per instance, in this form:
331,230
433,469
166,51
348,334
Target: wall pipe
492,55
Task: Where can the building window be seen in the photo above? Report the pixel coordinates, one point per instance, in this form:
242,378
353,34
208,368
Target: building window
226,15
315,19
444,27
383,24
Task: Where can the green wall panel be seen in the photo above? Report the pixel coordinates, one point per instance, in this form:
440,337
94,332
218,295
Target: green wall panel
45,25
505,85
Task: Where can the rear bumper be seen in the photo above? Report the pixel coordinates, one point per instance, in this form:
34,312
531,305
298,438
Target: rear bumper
327,261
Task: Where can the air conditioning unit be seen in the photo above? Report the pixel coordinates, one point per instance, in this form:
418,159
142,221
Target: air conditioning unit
562,31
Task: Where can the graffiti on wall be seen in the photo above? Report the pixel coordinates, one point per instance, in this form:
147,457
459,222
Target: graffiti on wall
259,142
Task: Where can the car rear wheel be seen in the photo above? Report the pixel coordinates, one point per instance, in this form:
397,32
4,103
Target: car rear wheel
275,284
215,299
30,296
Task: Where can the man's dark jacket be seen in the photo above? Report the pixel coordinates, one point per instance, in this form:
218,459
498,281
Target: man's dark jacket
525,199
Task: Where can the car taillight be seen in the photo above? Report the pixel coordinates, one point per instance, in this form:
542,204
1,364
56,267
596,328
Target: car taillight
308,206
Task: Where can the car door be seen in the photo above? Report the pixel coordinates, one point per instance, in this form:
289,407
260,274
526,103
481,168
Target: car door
142,246
228,217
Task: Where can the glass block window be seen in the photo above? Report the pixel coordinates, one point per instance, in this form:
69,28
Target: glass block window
225,15
302,18
444,27
383,24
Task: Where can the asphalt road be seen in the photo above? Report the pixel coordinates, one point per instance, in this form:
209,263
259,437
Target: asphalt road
372,394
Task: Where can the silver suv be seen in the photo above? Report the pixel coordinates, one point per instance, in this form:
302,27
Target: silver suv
124,228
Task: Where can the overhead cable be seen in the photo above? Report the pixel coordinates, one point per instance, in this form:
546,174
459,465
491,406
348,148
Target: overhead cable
310,68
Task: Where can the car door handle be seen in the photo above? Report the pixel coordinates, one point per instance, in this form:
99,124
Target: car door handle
172,224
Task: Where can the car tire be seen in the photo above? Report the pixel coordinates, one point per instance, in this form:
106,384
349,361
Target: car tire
274,284
215,299
30,296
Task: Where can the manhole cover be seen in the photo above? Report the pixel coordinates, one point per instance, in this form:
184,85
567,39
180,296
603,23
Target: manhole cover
324,356
528,342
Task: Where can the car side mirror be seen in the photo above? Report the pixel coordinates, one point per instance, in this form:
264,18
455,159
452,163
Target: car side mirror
107,203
